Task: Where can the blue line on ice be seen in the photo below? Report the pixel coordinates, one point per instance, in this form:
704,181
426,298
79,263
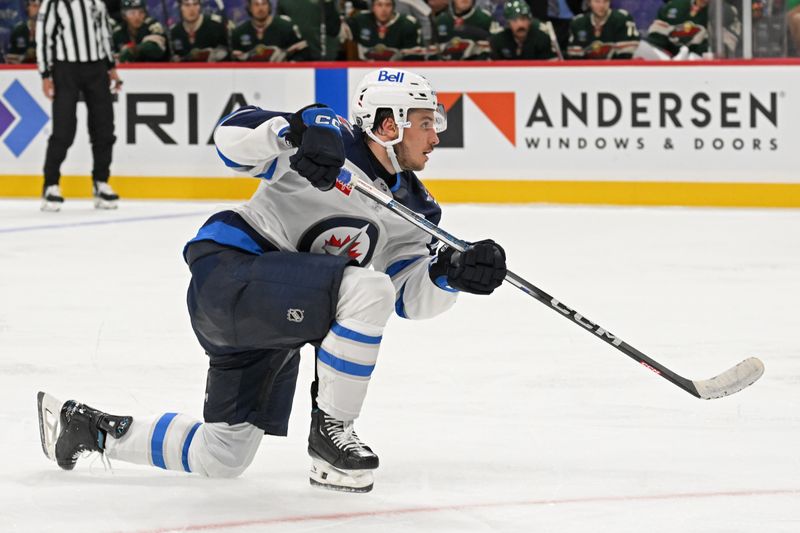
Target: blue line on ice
100,222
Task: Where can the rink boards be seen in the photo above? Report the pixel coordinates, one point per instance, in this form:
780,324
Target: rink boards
717,133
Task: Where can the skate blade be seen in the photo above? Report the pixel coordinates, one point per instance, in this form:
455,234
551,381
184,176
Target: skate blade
49,419
105,204
324,476
51,207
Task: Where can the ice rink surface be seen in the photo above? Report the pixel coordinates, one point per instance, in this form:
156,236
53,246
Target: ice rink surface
499,416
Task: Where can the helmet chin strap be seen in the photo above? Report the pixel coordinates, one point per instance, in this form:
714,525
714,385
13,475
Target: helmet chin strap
389,149
393,158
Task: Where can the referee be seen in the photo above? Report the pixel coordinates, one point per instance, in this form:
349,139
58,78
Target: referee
73,51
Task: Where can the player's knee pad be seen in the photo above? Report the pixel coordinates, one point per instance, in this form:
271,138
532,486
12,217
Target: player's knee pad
226,450
366,296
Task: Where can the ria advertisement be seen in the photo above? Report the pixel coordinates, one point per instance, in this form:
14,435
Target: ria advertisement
164,118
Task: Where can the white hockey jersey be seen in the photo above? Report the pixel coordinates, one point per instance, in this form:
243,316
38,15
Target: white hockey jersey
294,216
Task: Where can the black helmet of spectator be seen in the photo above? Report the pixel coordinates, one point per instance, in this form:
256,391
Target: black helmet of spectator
517,8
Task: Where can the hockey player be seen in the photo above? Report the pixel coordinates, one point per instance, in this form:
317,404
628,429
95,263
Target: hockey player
525,37
382,34
267,38
22,42
139,37
463,31
198,37
602,33
684,23
289,268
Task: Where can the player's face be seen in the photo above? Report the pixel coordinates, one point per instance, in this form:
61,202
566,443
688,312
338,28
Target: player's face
382,9
418,140
134,18
462,5
600,7
520,27
259,10
33,9
190,11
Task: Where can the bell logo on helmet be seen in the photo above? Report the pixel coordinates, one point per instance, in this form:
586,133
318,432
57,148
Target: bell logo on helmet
385,75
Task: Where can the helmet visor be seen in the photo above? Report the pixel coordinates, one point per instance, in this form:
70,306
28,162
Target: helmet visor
440,119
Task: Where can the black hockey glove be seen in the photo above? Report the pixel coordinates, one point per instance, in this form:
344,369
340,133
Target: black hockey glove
314,130
480,269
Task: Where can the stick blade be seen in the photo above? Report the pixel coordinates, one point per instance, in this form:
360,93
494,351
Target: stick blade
732,380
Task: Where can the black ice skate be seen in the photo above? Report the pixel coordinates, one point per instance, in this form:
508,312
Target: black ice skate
340,461
69,429
104,196
52,200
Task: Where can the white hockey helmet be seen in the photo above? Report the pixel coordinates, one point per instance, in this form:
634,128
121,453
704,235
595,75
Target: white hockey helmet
397,90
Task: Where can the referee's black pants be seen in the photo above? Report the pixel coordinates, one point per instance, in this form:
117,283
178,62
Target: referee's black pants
69,80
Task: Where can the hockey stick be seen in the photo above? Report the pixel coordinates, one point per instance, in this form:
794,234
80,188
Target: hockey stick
551,32
221,7
729,382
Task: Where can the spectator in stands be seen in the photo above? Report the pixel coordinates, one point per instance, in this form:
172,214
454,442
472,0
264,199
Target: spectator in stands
684,24
385,35
268,38
438,7
464,31
139,37
420,11
524,38
22,43
198,37
559,13
602,33
308,15
793,21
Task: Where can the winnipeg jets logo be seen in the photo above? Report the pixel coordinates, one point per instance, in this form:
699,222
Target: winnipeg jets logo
347,246
351,237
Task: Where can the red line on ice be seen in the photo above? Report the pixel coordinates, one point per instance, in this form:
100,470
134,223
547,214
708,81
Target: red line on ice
469,506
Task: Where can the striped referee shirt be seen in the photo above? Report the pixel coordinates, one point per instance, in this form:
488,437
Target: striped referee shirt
75,31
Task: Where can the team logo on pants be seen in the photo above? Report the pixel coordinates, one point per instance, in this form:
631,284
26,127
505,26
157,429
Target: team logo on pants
355,238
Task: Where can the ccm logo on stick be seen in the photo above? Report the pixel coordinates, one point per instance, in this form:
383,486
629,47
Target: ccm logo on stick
588,324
